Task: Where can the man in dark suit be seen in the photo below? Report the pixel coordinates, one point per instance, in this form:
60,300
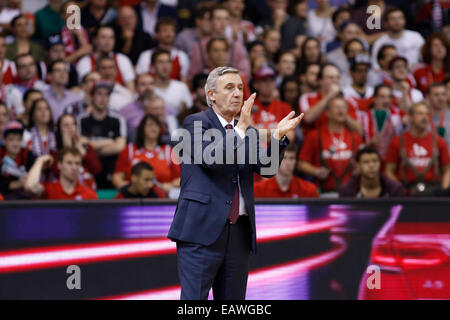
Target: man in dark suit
214,223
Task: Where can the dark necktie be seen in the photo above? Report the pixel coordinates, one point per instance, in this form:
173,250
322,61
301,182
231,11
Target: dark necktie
233,215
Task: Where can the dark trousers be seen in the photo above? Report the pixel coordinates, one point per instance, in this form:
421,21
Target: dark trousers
222,265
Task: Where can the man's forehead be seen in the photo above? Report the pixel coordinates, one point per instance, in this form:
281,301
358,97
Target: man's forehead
230,78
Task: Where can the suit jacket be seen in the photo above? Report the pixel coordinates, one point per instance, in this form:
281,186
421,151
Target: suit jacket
207,190
164,11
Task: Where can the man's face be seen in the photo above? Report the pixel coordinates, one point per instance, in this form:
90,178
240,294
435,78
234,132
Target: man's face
26,68
163,66
236,7
228,95
204,23
100,98
155,107
354,49
388,55
70,166
352,31
13,143
286,66
437,97
166,34
311,76
219,21
312,51
399,70
420,117
288,164
107,70
21,28
144,84
396,22
60,74
89,82
2,48
104,42
337,111
369,165
360,74
438,50
126,18
143,182
265,87
330,76
343,16
291,91
383,99
272,41
218,53
56,52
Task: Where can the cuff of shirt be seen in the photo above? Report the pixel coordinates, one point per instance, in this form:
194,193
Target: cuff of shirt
240,132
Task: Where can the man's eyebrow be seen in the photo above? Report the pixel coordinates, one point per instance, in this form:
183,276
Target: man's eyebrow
234,83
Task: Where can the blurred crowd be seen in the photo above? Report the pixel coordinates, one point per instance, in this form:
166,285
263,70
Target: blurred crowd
92,108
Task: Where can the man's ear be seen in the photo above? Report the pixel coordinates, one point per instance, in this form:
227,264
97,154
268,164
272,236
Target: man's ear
211,96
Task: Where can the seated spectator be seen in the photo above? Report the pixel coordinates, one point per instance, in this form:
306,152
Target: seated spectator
40,139
310,52
141,184
131,41
10,10
241,30
290,91
68,186
419,158
383,121
11,95
147,149
104,43
200,104
285,184
154,105
308,76
319,22
48,20
22,43
15,162
134,111
294,25
340,15
149,11
256,55
285,66
436,58
404,95
440,116
67,136
120,96
176,94
58,97
87,84
370,183
272,42
359,90
106,132
165,35
27,74
8,67
30,96
4,118
328,152
97,13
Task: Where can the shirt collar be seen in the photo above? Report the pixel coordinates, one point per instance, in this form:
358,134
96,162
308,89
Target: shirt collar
224,122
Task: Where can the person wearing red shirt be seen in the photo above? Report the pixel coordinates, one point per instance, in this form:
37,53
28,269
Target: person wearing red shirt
142,184
436,58
67,187
359,91
147,149
314,104
285,184
419,158
328,154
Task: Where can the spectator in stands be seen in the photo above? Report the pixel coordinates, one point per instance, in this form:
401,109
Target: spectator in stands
308,76
347,31
142,184
11,9
285,184
8,66
285,66
290,92
131,41
165,35
383,121
97,13
241,30
436,56
386,53
419,158
67,136
407,42
220,18
154,105
67,187
328,152
176,94
15,162
272,43
295,25
432,16
447,86
120,96
105,130
41,139
199,104
319,22
104,42
27,75
29,97
187,38
440,116
58,97
257,55
314,104
134,111
4,118
48,20
359,90
278,15
87,83
22,43
404,94
150,11
340,15
370,183
310,52
11,96
148,149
